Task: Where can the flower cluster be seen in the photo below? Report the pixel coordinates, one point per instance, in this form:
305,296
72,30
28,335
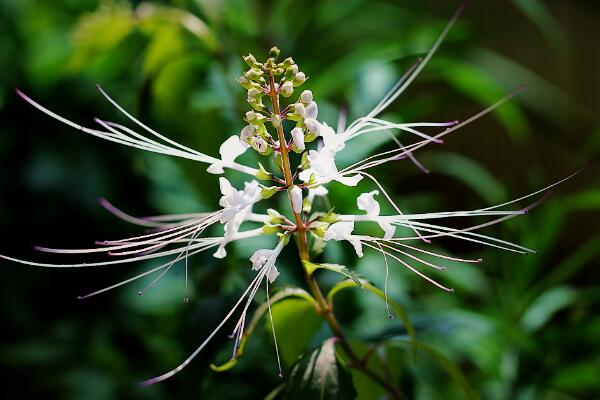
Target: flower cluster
316,144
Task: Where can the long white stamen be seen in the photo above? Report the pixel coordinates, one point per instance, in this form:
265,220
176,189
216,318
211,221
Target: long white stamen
136,277
405,264
385,282
208,339
273,330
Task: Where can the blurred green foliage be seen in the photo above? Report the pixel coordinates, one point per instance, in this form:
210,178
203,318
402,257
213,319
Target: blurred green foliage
515,327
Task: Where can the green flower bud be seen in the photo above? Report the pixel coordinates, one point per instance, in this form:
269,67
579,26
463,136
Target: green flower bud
245,82
287,62
287,89
254,74
290,72
251,61
299,79
276,120
274,52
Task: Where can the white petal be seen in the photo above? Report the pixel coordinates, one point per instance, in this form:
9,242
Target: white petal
349,180
225,186
272,274
339,231
367,203
232,148
216,169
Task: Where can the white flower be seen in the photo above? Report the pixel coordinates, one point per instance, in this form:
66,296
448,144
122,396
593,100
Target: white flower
343,231
367,203
231,149
296,196
298,138
322,165
237,207
265,258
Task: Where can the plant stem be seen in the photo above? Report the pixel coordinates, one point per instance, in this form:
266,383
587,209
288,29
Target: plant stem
325,309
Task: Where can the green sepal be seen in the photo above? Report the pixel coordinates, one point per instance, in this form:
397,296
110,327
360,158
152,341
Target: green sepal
319,228
276,217
263,174
330,217
306,204
270,229
279,161
268,191
304,163
310,136
284,237
318,244
311,267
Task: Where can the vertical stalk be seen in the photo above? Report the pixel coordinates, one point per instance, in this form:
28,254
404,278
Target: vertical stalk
325,308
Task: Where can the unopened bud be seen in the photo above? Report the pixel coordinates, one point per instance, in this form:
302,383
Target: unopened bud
276,120
296,197
287,89
254,74
299,109
287,62
299,78
250,60
290,72
312,110
251,116
306,97
298,139
274,52
244,82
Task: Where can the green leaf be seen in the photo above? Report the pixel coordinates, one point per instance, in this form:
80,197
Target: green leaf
393,305
340,269
319,375
448,365
546,305
296,322
260,311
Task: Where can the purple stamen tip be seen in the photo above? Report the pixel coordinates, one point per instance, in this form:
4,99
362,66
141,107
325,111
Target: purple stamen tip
480,260
390,316
140,293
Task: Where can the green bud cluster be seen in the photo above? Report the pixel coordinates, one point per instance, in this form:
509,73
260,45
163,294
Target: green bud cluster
273,78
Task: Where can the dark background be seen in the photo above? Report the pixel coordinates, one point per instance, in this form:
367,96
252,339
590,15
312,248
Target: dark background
517,327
